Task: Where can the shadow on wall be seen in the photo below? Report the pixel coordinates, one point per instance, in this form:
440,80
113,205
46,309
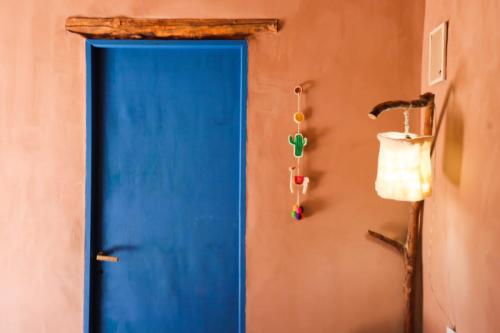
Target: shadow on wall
452,166
453,142
315,136
453,137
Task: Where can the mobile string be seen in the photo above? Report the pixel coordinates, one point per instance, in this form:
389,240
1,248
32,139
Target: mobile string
298,141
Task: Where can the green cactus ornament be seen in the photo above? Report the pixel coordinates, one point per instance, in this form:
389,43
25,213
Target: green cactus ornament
299,142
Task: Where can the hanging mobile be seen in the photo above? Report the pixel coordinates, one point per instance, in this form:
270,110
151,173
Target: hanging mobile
298,141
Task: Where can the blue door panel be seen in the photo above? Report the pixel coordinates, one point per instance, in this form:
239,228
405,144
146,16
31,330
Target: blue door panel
167,186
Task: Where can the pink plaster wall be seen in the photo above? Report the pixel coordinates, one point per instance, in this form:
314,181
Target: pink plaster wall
461,238
322,275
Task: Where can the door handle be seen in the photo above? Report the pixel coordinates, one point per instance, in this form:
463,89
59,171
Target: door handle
102,257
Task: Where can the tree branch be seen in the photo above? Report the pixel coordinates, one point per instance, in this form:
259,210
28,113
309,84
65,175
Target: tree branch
425,100
400,247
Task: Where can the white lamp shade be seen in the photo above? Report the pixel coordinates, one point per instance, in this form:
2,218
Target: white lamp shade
404,166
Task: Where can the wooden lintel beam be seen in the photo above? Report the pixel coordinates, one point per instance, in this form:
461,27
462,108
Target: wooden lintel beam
143,28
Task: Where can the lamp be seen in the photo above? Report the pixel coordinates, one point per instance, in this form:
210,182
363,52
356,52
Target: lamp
404,166
404,173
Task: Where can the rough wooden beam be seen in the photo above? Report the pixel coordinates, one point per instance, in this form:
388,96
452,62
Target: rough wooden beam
134,28
400,247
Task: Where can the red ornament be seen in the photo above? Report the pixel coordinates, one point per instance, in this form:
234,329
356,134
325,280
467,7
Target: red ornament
299,180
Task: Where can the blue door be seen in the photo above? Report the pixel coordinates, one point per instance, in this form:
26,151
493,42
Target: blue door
166,135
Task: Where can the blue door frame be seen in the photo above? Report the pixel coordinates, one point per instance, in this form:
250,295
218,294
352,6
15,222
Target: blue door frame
90,250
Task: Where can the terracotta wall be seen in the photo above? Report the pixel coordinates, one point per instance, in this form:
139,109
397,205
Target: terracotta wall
462,220
321,275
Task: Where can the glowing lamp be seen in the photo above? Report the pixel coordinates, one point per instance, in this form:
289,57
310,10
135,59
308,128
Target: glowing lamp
404,166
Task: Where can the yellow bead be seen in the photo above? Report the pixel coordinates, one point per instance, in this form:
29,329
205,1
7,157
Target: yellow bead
298,117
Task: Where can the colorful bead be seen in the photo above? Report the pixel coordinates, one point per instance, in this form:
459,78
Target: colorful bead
297,212
299,180
298,117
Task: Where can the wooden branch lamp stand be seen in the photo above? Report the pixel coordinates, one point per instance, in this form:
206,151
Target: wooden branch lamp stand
410,249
